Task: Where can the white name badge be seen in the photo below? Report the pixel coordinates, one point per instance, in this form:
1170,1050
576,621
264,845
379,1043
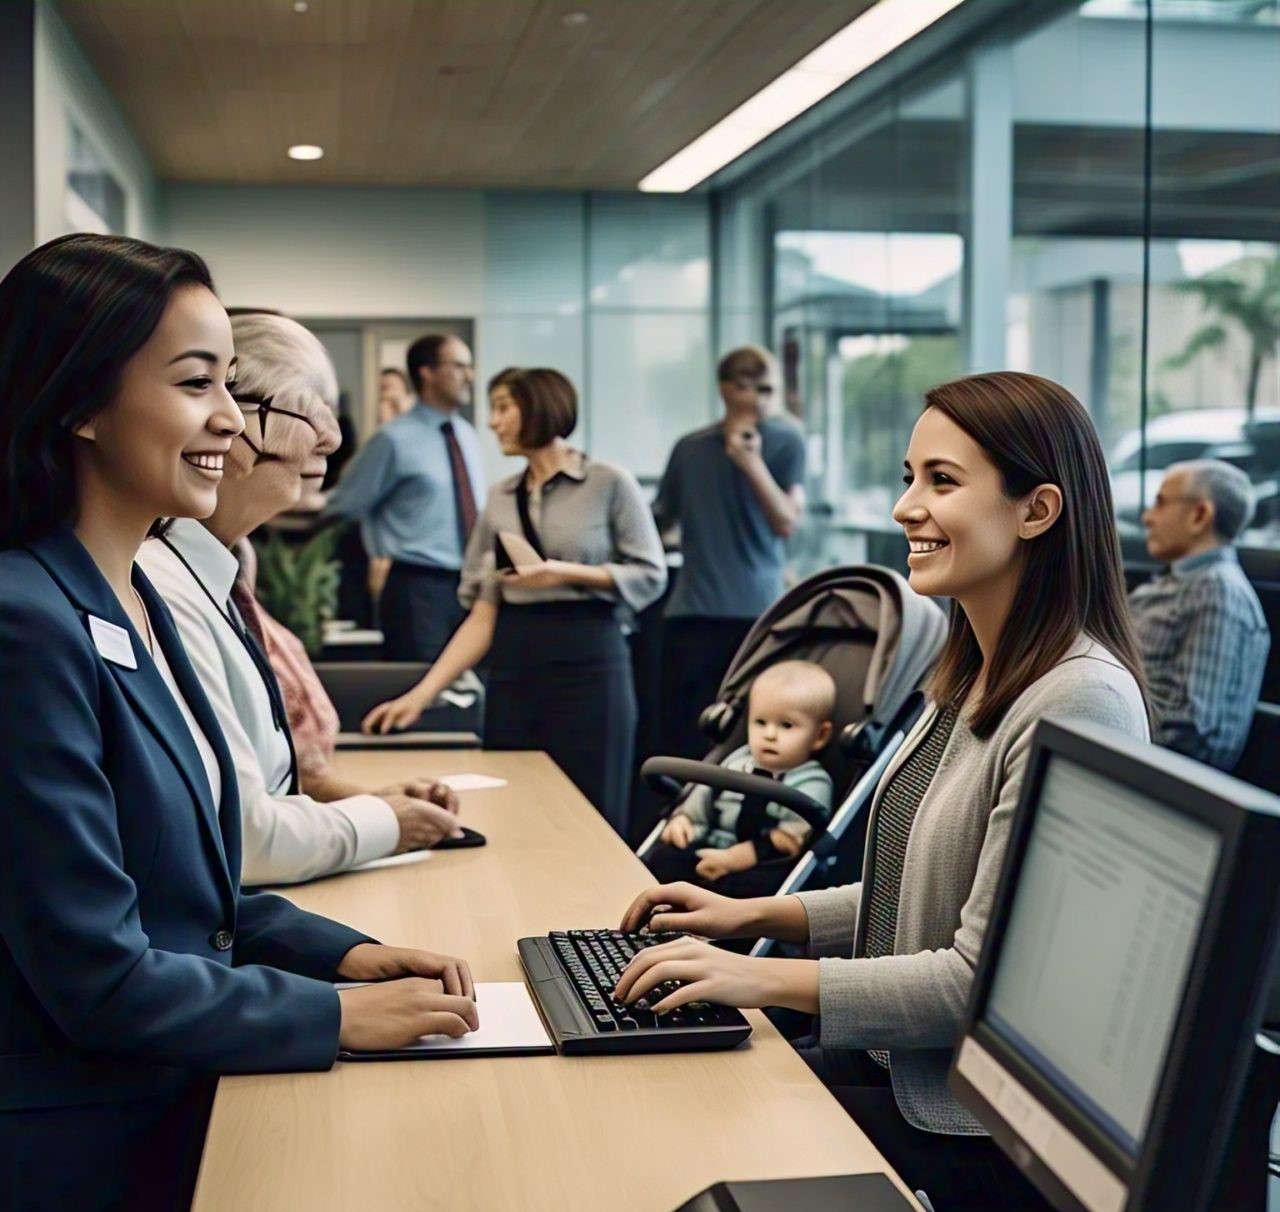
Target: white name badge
112,642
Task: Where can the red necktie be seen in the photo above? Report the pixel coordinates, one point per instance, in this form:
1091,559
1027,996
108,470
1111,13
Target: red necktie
243,597
463,497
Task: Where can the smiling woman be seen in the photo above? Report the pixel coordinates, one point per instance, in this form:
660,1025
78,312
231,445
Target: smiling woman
1007,510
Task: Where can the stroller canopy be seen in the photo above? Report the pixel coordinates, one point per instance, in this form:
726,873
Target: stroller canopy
865,626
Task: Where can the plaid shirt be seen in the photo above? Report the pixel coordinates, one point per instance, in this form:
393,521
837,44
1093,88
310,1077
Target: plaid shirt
1204,640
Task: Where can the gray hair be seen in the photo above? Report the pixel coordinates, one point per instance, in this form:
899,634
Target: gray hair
1227,489
277,357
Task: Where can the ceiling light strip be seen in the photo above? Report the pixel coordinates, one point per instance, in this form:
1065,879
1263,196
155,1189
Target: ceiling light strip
865,40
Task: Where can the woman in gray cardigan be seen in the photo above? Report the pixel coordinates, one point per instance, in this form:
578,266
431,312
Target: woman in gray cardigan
1008,512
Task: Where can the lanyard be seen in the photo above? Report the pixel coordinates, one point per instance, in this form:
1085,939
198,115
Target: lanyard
526,519
279,716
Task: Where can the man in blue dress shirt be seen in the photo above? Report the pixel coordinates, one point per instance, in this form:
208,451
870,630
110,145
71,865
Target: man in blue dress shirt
415,489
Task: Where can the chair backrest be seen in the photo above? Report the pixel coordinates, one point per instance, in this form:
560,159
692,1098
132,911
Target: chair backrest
1259,764
356,686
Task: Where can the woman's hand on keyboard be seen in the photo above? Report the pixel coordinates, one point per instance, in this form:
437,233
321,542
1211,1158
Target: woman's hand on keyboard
688,908
395,1013
691,971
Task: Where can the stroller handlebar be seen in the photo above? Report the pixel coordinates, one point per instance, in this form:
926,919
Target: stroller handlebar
660,772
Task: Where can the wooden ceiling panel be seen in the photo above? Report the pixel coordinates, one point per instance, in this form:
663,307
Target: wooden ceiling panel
468,93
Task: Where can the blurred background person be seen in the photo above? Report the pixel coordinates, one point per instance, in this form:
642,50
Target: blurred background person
414,489
735,491
560,671
1203,634
394,396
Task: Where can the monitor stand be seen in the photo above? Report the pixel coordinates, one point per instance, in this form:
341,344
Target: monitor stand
841,1193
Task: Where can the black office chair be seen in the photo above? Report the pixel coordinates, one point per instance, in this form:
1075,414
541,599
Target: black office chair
1259,763
356,686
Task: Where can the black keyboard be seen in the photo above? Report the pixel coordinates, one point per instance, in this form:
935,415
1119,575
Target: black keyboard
572,974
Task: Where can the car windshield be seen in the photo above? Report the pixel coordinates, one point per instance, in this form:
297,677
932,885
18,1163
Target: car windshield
1163,455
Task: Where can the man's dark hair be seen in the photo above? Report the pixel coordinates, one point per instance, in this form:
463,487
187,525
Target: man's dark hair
394,370
425,351
747,362
72,314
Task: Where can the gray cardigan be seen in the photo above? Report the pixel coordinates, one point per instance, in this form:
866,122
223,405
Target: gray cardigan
912,1003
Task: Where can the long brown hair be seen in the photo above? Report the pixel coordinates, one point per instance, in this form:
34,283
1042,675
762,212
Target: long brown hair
1037,432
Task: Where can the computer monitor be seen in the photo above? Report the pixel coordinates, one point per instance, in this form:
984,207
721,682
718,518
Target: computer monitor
1124,972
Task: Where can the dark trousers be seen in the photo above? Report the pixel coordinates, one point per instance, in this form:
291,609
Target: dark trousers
419,612
560,681
696,653
133,1156
957,1173
671,865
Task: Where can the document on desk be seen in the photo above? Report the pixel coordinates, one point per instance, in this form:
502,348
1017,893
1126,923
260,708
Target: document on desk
471,782
394,860
509,1026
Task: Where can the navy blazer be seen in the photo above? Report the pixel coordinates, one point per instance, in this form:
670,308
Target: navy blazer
130,961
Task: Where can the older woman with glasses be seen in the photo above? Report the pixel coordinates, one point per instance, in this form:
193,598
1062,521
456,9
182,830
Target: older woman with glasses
296,826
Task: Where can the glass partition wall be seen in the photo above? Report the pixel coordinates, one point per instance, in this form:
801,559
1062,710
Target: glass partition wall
1089,191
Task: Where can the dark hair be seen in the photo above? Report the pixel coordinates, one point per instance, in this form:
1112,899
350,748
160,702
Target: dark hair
1037,432
746,362
425,351
394,370
548,405
501,379
72,314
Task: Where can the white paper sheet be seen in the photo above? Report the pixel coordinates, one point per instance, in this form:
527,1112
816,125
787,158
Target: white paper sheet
508,1021
394,860
521,551
471,782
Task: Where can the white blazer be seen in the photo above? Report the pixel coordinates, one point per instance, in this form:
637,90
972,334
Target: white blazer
287,838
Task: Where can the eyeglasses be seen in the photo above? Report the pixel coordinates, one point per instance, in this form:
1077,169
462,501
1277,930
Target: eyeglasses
455,365
746,383
264,407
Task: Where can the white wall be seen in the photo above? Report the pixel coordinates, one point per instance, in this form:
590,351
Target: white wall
66,88
336,253
611,289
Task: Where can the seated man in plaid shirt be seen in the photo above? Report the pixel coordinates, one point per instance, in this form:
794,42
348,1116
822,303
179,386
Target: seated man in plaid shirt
1203,635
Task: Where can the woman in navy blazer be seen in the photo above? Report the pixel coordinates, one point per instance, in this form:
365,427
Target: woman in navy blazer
132,968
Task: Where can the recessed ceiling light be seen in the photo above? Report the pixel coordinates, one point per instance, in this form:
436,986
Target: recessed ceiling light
867,39
305,151
575,18
300,6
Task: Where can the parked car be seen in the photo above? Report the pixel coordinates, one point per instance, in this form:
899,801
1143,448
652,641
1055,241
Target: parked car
1200,434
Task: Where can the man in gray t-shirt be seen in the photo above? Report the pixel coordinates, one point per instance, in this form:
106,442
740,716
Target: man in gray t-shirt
735,489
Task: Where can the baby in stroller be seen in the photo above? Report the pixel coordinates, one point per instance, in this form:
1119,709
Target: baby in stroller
721,839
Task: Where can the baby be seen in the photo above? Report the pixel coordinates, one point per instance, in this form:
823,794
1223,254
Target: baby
788,720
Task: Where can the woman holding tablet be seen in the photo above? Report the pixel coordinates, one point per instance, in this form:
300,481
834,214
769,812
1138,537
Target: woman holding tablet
563,552
133,971
1007,510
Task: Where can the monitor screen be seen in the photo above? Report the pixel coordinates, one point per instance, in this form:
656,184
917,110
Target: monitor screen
1098,943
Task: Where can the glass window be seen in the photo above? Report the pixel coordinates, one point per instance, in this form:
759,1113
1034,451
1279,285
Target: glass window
1047,196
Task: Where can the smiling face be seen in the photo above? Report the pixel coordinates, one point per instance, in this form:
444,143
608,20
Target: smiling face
506,420
965,533
160,445
278,463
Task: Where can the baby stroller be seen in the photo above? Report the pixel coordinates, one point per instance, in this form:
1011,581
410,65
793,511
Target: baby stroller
878,639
